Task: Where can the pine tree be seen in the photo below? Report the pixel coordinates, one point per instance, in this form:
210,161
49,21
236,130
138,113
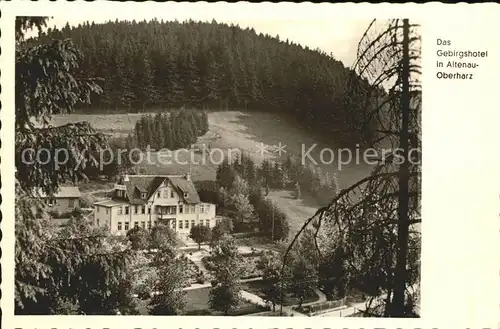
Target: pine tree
74,269
142,84
212,65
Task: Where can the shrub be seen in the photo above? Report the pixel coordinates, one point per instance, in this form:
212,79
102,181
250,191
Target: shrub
143,291
199,312
200,278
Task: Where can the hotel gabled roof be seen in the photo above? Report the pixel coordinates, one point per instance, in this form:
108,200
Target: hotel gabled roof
136,184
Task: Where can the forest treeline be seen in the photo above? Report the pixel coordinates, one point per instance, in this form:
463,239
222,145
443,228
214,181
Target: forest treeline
156,64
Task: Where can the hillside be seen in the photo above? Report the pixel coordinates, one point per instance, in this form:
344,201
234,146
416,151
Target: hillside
158,65
236,130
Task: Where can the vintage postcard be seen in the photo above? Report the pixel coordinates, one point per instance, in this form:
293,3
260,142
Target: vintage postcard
250,165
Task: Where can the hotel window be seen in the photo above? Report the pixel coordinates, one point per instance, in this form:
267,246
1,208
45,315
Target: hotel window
193,223
149,225
193,209
180,224
180,209
158,195
173,224
119,226
207,222
149,209
136,209
207,208
126,226
143,224
71,203
143,210
172,193
136,224
126,210
186,223
165,193
120,211
107,211
144,195
186,194
202,209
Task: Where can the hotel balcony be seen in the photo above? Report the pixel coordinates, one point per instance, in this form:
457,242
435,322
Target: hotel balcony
120,187
166,216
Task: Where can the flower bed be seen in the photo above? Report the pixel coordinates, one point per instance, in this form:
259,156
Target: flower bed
195,275
249,265
314,308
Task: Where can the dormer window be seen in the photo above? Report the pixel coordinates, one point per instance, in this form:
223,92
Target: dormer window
144,195
186,194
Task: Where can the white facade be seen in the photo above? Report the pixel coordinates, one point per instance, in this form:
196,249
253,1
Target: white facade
165,206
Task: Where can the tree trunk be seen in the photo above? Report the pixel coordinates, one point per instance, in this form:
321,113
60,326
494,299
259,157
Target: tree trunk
397,307
199,246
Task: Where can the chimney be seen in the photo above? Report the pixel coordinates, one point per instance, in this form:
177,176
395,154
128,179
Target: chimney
187,176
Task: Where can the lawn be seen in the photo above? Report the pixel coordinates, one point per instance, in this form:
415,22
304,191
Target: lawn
256,288
197,304
198,299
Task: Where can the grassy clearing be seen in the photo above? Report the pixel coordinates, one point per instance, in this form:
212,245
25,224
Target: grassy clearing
234,130
198,304
103,122
297,210
95,185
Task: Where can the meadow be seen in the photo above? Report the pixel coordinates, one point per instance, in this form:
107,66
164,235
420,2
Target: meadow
230,130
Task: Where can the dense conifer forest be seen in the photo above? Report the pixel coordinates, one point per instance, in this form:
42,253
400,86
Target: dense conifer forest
164,65
172,129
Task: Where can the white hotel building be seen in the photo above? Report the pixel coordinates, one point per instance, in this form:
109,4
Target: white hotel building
147,200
